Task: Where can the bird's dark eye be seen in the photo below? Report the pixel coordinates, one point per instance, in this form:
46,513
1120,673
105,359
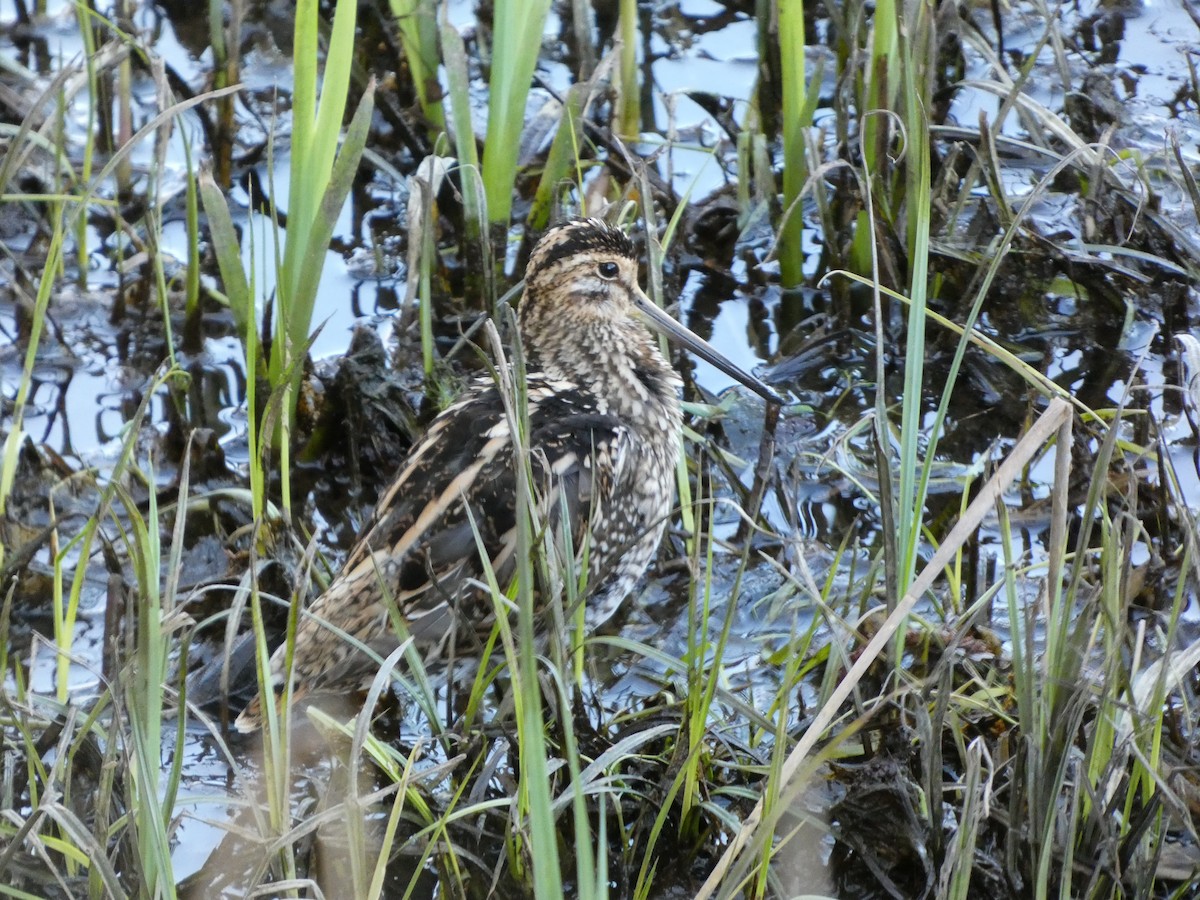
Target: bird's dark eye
608,270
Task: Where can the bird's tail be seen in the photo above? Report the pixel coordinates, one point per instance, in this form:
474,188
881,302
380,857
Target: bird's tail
251,718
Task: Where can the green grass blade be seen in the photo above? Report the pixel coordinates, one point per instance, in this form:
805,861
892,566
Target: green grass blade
518,39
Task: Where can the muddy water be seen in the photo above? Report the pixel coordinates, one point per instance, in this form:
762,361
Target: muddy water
95,365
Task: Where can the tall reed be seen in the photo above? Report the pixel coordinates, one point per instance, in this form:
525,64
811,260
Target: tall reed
226,43
914,472
321,176
878,89
799,101
419,36
629,105
479,254
517,41
320,179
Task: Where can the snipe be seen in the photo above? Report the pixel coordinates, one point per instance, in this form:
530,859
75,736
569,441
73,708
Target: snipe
603,439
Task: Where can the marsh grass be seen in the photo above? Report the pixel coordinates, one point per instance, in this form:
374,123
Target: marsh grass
419,37
225,41
477,242
1047,771
516,45
320,177
83,819
628,106
799,99
1062,761
124,724
533,848
64,214
1090,711
564,167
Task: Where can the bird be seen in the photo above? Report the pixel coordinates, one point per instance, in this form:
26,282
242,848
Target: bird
603,438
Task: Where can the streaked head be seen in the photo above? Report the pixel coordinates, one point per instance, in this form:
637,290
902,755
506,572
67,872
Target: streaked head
582,272
582,279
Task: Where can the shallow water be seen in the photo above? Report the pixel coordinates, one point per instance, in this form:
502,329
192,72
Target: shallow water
92,370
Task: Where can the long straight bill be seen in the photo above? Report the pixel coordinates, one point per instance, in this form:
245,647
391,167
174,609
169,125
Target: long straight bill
660,320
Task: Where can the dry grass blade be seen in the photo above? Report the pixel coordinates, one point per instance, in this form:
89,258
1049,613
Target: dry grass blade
1057,414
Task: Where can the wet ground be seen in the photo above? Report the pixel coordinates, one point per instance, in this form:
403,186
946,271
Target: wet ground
1091,294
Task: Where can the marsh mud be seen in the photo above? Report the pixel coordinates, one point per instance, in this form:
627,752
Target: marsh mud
1095,165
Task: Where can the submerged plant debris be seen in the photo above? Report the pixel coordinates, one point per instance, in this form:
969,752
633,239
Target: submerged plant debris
179,477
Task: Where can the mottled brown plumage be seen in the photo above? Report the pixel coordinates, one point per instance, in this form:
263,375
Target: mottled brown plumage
603,439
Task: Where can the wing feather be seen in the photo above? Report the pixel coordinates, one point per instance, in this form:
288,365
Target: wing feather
420,547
